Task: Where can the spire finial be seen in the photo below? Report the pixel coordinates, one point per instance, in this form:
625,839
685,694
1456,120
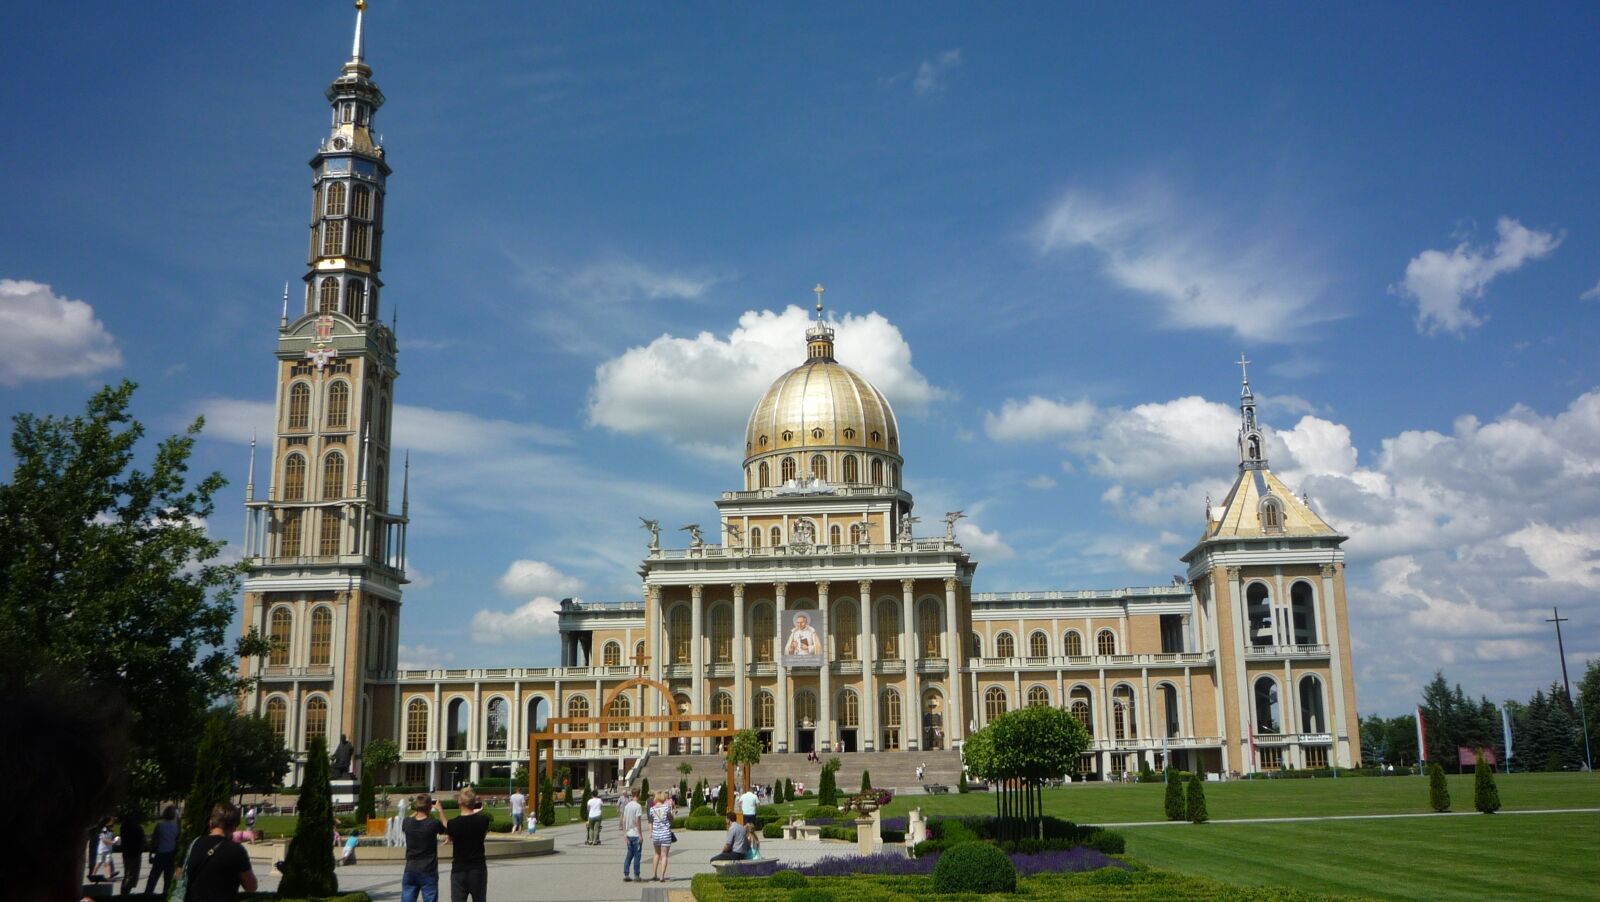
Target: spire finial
283,319
1244,372
818,292
250,483
405,487
357,50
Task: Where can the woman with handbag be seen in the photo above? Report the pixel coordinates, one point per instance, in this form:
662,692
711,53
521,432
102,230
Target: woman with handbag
216,866
661,835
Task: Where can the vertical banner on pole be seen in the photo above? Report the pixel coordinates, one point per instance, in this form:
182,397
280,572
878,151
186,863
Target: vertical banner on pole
1505,726
1422,737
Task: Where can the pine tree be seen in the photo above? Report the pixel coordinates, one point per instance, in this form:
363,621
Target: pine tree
828,787
683,789
547,803
788,789
1197,799
725,800
644,788
1438,792
866,780
1175,802
777,792
366,800
1485,797
211,783
308,864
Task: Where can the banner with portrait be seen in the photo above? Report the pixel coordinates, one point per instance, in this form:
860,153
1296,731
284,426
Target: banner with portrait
802,638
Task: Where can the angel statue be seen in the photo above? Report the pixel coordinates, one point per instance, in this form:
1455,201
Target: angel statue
735,533
695,539
655,532
950,524
906,522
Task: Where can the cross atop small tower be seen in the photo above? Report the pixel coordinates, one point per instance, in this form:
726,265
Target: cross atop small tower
1244,373
818,292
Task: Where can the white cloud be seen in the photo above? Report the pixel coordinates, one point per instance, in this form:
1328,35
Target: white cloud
589,309
1443,282
1591,294
538,617
1041,482
1157,441
985,545
697,392
1570,556
43,336
1205,275
931,72
1038,418
524,578
424,657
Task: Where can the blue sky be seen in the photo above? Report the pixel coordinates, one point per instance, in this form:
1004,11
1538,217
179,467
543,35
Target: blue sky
1046,229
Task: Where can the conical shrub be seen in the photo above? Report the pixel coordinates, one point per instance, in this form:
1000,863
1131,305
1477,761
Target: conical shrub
1176,810
1485,795
308,865
1438,790
1196,807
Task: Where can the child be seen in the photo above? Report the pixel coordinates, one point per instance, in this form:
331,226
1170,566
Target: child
350,847
108,845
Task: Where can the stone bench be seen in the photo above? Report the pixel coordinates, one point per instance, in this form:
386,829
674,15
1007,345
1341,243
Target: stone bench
802,831
732,868
937,788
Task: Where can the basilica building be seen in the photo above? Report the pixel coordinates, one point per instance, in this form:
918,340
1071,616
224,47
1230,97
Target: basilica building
815,612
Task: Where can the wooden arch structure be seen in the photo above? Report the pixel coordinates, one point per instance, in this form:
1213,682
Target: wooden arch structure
633,728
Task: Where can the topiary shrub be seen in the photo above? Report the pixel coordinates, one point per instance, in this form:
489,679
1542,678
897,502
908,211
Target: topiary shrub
1196,804
787,880
308,864
766,812
707,822
644,788
1175,801
703,811
772,831
811,894
1485,796
974,867
1438,791
866,780
817,811
788,789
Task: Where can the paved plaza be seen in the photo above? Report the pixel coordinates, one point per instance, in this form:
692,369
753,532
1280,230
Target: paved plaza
576,872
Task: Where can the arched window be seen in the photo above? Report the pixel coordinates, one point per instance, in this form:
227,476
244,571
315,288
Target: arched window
755,537
1106,643
294,477
316,719
611,656
1081,707
280,633
858,533
332,238
788,469
678,623
336,199
877,471
1005,646
976,647
328,296
362,206
638,652
846,628
819,467
538,714
278,717
498,722
1124,722
333,476
339,405
888,629
849,709
722,634
289,542
764,632
835,535
1304,614
894,475
805,709
1258,604
1038,644
890,720
328,535
457,725
355,293
1074,643
1312,719
766,706
417,726
1168,694
777,537
321,636
994,703
1038,697
619,707
299,405
928,628
765,475
577,706
852,469
1269,712
1271,515
722,703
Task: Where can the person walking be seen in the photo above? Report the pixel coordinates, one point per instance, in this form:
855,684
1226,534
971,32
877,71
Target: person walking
422,850
747,806
631,822
106,846
132,852
661,834
469,868
163,850
519,810
596,810
217,867
736,845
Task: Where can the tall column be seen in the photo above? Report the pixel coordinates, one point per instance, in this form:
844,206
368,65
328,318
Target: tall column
955,654
911,710
697,658
868,655
655,632
1343,754
782,728
824,678
741,703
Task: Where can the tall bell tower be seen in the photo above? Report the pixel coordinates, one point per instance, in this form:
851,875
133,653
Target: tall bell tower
325,549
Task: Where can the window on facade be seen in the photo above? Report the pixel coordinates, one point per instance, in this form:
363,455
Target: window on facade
976,650
1303,613
577,706
766,705
1172,633
1271,515
846,627
619,707
877,471
1258,605
355,298
328,534
858,533
316,202
362,207
894,476
1073,643
994,702
332,238
328,296
1038,645
888,629
777,537
294,478
1269,713
339,405
1080,709
928,628
1316,757
361,249
1038,697
277,717
765,475
761,624
280,632
498,722
755,537
336,199
1271,758
321,636
333,476
1168,694
638,653
819,467
1311,712
299,405
852,469
876,437
722,634
788,435
849,709
456,725
1124,722
316,720
538,714
788,469
1106,643
805,708
611,656
849,433
289,542
678,623
890,719
1005,646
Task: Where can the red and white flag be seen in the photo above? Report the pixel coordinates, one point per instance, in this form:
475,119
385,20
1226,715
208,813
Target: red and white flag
1422,737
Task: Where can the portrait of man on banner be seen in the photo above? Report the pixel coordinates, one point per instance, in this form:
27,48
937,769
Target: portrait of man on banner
802,639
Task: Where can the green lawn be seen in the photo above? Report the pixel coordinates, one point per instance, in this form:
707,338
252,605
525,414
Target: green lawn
1102,803
1536,856
277,826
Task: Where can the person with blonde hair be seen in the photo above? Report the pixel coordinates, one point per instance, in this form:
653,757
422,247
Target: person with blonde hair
661,835
469,868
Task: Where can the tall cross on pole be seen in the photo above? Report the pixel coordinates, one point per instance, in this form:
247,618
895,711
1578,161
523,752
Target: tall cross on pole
1244,373
818,292
1561,650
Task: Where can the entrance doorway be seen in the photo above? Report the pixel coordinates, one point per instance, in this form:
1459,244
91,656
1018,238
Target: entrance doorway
805,740
847,740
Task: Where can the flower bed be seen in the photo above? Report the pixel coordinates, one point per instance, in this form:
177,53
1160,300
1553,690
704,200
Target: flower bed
1050,862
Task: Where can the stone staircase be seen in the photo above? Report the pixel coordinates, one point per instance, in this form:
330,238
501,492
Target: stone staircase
895,771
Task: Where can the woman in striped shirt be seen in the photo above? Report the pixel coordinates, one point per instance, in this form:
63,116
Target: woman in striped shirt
661,833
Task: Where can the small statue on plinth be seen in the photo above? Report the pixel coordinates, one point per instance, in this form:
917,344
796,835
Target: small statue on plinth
339,761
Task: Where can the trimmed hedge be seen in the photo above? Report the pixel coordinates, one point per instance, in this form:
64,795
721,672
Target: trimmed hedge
704,822
772,831
974,868
788,880
811,894
704,811
814,812
1141,885
768,812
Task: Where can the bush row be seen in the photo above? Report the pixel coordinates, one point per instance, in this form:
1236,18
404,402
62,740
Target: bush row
1110,882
